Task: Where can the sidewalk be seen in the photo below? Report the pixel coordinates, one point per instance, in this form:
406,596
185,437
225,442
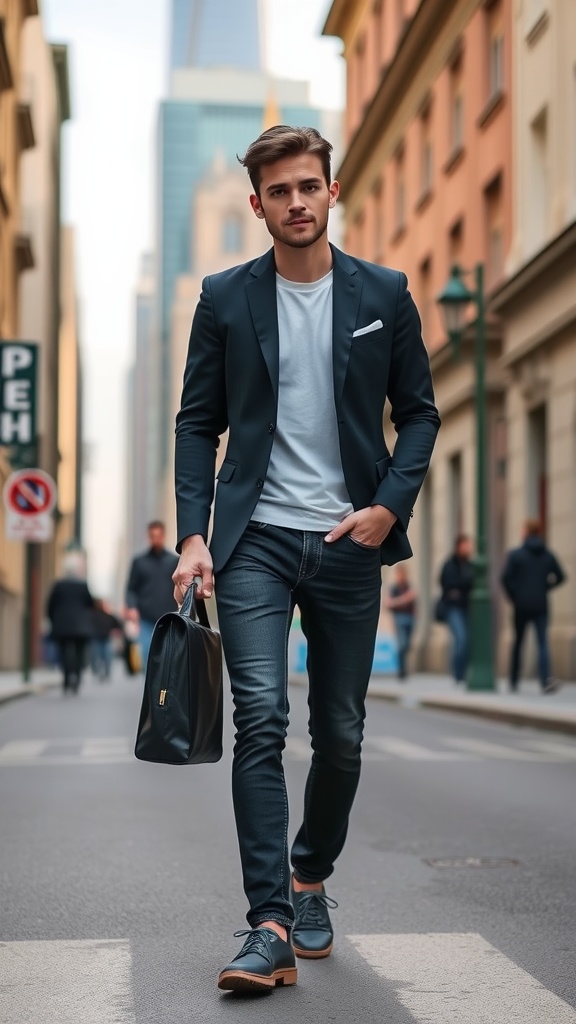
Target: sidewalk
41,679
527,707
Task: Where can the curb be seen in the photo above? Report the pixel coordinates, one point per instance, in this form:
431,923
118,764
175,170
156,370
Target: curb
32,690
547,719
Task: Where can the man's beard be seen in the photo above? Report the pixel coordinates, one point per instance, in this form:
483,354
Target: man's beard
295,242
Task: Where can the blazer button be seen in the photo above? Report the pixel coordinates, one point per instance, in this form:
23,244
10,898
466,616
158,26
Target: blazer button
260,484
271,428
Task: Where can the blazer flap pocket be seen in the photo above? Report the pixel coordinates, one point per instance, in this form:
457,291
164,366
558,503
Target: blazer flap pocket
382,466
226,471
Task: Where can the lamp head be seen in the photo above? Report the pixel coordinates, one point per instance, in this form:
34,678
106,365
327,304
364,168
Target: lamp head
453,300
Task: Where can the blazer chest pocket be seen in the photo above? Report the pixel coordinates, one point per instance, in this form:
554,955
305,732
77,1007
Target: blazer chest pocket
226,471
375,334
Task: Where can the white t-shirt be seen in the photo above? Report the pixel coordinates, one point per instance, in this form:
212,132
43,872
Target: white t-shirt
304,487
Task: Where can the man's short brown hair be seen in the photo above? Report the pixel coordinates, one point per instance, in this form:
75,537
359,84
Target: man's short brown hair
533,528
280,141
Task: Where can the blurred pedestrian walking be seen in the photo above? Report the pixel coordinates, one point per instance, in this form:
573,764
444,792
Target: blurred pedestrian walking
530,572
456,582
70,609
296,352
104,625
150,590
401,601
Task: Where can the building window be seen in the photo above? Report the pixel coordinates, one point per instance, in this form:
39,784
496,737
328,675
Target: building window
426,297
379,24
495,33
537,200
378,207
537,465
426,154
456,108
455,516
400,193
233,233
456,243
494,220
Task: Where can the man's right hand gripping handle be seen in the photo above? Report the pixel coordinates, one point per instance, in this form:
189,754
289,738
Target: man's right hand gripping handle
195,560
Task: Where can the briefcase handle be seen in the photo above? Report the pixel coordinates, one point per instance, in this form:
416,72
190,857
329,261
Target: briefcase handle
193,606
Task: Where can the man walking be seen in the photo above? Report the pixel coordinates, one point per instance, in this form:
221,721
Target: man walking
296,352
529,573
456,582
149,591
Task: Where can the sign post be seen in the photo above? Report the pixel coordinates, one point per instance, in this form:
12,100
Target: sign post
29,496
29,500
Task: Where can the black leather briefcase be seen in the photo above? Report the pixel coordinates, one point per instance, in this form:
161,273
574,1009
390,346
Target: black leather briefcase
181,716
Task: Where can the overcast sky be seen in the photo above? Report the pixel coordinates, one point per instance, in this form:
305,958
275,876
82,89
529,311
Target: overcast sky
118,51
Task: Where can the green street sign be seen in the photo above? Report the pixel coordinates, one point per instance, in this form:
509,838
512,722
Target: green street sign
18,406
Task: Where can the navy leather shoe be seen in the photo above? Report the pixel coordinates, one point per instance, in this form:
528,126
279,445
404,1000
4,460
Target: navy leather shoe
312,932
264,961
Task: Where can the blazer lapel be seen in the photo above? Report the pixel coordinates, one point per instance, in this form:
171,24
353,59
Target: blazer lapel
261,292
346,292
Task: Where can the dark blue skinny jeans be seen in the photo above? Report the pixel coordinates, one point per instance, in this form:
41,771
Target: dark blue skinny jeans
522,619
337,589
457,621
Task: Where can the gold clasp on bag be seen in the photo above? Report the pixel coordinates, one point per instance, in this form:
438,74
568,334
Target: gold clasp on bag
162,700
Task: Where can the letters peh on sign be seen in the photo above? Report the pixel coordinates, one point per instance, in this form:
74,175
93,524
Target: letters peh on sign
18,373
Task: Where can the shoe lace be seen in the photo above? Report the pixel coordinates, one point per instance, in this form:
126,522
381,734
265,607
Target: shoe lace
310,906
257,942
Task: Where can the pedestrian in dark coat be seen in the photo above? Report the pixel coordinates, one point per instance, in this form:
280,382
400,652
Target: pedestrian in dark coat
150,590
456,582
69,609
530,572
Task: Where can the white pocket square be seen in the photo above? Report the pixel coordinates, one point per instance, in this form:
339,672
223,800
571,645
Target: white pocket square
366,330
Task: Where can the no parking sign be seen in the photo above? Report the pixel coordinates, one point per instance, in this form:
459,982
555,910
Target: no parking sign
30,496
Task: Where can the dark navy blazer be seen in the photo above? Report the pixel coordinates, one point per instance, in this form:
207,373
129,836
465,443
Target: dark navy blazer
231,381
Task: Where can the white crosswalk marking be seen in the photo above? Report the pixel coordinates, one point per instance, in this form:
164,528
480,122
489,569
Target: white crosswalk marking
66,982
109,747
119,750
69,751
22,749
412,751
460,979
492,750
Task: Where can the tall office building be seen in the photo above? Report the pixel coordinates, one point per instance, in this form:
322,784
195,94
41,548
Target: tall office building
218,102
215,33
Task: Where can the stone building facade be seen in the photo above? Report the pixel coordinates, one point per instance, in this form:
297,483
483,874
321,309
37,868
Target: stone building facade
461,149
37,296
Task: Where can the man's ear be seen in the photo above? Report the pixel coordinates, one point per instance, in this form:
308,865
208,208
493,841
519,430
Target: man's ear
257,206
334,190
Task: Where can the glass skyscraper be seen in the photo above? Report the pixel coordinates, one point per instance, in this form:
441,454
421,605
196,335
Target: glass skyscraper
215,33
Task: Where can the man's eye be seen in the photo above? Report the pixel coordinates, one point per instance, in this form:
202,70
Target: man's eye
311,188
278,192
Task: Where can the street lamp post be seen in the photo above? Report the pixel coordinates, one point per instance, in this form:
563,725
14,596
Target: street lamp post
453,301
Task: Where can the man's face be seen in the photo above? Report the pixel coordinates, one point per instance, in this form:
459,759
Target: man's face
156,537
295,199
465,548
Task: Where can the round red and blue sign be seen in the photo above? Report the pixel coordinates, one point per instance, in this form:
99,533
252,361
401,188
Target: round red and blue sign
30,492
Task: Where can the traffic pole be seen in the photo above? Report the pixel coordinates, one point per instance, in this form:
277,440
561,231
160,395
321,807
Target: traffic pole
27,615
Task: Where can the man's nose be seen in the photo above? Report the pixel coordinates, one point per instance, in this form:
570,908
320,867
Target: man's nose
296,201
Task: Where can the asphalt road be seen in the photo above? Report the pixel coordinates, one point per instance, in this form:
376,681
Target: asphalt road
120,883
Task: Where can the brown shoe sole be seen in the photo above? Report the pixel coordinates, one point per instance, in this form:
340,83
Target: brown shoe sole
241,981
309,954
